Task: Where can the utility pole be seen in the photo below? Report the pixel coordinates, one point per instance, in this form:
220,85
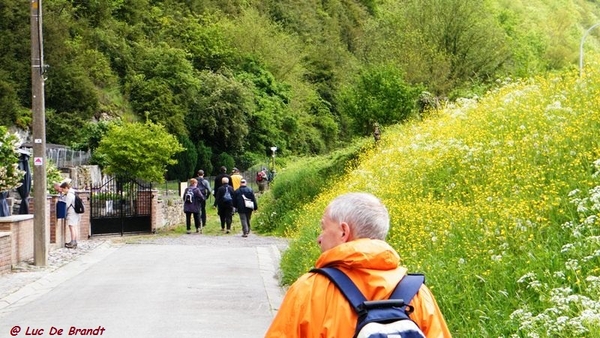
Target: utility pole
40,235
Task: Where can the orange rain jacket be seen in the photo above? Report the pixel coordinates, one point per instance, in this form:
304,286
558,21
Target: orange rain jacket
314,307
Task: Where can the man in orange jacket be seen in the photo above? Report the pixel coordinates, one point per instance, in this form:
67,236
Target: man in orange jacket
353,230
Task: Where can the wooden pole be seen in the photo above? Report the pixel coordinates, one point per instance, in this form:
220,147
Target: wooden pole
40,233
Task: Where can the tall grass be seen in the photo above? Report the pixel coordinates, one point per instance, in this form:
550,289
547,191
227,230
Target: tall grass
297,184
496,200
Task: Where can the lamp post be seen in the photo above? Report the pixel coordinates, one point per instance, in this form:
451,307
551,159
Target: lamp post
273,150
581,48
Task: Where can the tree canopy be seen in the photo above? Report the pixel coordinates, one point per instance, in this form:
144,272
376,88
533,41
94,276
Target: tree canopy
238,77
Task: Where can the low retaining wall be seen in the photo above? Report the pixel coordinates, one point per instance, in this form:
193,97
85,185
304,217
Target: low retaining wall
20,228
5,252
16,232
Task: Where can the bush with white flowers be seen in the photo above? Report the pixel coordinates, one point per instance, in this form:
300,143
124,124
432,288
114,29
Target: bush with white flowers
10,174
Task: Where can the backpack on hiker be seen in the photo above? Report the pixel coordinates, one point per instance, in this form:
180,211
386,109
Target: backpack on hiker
227,198
189,196
380,318
78,205
260,176
203,186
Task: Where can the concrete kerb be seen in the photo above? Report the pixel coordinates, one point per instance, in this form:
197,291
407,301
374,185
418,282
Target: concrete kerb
268,260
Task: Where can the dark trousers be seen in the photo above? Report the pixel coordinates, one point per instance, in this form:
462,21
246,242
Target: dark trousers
196,220
226,216
203,212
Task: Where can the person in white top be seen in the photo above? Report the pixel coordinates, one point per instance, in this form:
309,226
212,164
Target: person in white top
72,216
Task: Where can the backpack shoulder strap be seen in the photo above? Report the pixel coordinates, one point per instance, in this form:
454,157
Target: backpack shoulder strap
408,287
345,285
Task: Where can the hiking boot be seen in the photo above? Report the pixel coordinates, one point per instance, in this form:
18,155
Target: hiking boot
188,232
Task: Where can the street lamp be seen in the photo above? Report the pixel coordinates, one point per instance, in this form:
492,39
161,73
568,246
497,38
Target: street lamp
273,150
581,48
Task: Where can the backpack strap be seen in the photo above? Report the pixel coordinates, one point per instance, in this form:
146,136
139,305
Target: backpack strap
345,285
406,289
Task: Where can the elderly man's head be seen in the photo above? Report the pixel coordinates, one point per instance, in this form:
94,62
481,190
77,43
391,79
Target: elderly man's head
352,216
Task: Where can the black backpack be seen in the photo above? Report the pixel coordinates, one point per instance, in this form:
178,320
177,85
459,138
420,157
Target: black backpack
392,313
78,206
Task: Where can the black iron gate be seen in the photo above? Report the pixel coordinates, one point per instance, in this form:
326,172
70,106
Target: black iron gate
121,205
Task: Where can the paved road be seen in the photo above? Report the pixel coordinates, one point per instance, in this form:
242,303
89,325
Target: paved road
189,286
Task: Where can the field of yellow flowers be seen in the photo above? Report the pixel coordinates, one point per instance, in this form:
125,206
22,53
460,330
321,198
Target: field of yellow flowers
496,200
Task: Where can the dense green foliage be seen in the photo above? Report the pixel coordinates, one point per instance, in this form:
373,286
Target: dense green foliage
496,200
140,150
299,182
238,77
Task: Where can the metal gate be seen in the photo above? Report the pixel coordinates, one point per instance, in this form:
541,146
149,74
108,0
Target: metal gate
121,205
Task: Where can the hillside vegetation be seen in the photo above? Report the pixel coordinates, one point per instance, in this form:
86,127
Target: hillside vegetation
496,200
231,78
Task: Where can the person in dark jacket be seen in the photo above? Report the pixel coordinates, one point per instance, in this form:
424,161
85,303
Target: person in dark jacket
192,204
224,203
244,208
204,187
219,180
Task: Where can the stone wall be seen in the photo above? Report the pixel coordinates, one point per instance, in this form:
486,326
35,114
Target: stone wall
171,213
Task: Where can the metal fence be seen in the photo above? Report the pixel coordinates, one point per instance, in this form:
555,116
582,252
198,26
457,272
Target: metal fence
63,156
67,157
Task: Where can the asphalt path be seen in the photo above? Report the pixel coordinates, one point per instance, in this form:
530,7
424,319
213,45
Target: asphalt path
186,286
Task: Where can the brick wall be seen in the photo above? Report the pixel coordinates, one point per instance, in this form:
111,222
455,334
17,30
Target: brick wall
5,252
21,230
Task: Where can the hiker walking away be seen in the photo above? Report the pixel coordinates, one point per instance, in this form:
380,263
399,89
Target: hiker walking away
219,180
72,217
204,187
224,204
235,179
261,180
191,205
353,229
245,202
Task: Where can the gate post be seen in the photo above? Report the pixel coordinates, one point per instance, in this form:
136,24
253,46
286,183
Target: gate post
84,221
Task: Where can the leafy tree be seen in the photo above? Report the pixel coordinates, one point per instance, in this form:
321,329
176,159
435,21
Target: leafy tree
380,95
218,117
186,161
164,87
141,150
204,158
224,159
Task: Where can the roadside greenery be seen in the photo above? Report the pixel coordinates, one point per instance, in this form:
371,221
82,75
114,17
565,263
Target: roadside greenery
298,183
237,77
10,174
496,200
140,150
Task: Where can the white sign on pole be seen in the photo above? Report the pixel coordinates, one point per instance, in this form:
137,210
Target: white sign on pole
38,161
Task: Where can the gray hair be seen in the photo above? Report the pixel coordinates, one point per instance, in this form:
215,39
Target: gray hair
224,180
366,216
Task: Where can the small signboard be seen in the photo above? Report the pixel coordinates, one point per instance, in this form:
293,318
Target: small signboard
38,161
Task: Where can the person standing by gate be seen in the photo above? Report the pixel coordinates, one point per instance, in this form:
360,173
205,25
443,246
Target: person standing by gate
72,216
191,205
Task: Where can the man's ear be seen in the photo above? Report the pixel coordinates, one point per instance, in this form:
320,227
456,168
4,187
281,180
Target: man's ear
346,236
